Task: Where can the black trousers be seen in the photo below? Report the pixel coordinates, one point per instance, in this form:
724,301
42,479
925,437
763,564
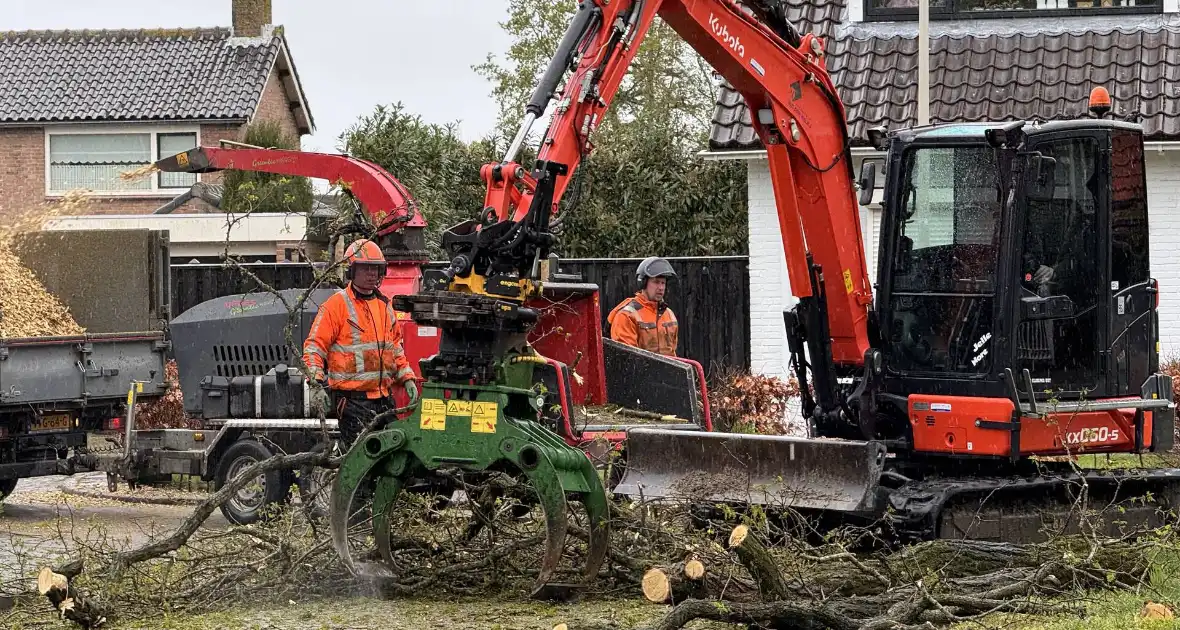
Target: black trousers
355,412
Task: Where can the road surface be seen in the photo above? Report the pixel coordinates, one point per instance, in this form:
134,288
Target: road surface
39,521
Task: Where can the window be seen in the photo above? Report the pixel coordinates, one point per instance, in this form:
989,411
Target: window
959,9
98,160
1128,212
170,144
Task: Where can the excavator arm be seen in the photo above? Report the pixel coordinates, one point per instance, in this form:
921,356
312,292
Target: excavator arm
797,114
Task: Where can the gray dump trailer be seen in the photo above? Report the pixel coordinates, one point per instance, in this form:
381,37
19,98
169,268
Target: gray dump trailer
56,390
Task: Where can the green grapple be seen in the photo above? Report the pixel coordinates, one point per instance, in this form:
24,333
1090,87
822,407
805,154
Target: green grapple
490,426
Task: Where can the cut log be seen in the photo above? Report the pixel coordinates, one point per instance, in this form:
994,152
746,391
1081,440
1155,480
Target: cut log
50,582
762,567
667,585
72,605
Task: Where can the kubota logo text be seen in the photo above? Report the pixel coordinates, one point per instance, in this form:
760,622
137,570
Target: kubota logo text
722,32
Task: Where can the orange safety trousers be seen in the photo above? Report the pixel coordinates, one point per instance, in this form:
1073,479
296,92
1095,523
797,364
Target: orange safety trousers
357,343
639,322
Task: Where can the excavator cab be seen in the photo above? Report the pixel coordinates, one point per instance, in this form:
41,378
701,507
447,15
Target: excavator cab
1013,257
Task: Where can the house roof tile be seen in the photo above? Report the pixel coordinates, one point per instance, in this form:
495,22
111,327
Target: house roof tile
984,77
134,75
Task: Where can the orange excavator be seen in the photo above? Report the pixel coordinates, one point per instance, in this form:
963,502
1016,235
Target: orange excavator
1014,316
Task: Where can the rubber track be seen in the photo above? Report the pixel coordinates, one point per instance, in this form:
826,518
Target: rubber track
922,510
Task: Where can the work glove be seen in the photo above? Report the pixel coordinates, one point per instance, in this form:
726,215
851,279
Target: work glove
411,391
1043,274
321,402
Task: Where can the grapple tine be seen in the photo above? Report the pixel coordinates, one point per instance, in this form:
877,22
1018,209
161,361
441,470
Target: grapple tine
369,458
598,515
384,499
544,479
599,536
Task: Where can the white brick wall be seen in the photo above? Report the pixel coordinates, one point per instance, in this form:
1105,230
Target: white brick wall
770,291
1163,203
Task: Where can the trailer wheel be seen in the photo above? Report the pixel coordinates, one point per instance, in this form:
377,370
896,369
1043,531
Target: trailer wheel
6,487
247,505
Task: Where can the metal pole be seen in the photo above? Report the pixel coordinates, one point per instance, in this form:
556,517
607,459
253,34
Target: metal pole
923,62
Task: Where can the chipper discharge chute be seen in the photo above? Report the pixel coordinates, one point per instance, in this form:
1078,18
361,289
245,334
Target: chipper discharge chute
746,469
477,417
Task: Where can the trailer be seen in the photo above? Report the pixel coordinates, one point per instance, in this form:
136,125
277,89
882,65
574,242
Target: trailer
54,390
224,447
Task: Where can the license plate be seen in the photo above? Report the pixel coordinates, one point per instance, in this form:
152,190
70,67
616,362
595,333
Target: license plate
52,422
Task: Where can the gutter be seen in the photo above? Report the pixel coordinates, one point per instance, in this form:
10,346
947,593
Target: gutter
760,154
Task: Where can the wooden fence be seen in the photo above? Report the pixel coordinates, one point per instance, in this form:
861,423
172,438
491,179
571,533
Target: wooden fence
711,296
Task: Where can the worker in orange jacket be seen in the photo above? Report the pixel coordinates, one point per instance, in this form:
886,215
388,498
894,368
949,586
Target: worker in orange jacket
354,349
644,320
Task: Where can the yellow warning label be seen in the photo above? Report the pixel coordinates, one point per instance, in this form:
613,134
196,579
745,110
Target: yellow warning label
434,415
458,407
483,417
182,159
848,281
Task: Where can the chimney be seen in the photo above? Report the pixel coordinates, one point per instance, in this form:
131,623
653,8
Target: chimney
249,16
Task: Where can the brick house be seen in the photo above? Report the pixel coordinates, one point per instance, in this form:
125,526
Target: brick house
990,60
80,107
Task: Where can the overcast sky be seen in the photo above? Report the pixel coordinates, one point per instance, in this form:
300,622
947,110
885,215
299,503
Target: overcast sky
351,54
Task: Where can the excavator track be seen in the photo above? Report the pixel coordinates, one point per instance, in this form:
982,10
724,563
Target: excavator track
1033,508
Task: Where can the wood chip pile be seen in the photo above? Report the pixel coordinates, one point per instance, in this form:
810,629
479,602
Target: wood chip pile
27,309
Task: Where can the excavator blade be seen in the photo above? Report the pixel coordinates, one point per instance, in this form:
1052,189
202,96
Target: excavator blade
769,470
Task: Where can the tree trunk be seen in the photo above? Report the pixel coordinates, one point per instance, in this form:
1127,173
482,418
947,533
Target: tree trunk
762,567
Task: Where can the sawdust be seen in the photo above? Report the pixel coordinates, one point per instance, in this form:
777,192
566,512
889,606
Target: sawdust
138,173
27,309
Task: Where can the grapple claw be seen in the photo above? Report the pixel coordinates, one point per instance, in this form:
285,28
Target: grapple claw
465,428
383,500
370,460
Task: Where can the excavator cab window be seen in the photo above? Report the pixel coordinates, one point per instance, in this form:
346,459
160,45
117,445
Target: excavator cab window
1057,333
946,258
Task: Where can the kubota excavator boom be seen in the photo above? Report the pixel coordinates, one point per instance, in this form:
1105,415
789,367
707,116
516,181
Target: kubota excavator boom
798,116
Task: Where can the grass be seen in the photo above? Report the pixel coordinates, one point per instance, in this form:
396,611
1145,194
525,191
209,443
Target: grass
405,614
1117,611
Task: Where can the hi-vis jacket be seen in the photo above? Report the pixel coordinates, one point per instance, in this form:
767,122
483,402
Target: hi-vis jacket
357,341
639,322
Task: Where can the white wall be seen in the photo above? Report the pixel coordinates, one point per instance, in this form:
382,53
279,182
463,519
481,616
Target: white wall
192,235
1163,203
770,290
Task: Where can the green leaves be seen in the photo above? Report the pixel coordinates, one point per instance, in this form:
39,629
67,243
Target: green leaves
642,191
247,191
439,169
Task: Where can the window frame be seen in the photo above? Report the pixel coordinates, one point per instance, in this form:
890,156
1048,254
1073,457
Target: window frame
951,12
154,132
